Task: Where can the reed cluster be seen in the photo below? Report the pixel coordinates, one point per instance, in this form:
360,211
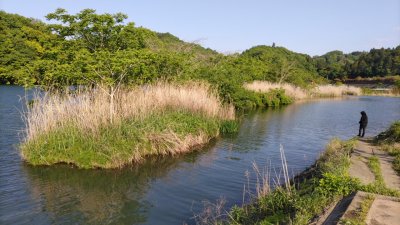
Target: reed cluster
164,118
336,91
300,93
265,86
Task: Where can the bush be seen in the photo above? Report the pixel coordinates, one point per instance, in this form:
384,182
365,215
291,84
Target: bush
333,185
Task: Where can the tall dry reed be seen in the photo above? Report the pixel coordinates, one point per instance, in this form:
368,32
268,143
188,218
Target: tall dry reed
299,93
265,86
336,91
88,110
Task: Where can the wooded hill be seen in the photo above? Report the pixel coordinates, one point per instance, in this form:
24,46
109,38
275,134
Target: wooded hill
88,48
377,62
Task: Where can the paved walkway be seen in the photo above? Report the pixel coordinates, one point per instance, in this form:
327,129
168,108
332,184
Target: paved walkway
359,165
384,209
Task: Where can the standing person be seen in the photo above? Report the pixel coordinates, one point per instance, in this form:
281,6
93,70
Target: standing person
363,123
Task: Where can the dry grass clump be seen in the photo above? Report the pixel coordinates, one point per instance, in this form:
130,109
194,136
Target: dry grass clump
89,110
336,91
299,93
265,86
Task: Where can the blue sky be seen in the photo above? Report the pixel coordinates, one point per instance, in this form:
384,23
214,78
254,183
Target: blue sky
313,27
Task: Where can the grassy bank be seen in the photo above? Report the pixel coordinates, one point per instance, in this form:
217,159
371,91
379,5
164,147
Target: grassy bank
389,141
311,192
91,129
301,93
315,189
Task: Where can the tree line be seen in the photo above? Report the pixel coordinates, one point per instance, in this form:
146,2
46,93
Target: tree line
89,48
377,62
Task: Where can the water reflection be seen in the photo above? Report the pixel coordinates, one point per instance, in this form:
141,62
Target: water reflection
99,196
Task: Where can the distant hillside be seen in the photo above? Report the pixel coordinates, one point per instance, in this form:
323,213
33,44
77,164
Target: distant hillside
285,65
377,62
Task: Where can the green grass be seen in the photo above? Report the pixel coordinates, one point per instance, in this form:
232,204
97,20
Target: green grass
389,141
374,165
122,143
244,99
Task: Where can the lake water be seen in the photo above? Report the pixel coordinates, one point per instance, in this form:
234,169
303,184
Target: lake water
173,190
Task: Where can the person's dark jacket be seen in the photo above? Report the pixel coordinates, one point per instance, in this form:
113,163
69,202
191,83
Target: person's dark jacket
364,119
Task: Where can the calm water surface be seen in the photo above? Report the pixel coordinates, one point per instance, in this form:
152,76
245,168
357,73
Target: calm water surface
172,190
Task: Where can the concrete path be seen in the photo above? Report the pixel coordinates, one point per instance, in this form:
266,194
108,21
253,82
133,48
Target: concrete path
359,164
392,180
384,209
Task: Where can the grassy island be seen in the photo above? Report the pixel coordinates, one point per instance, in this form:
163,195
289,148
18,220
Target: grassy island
91,130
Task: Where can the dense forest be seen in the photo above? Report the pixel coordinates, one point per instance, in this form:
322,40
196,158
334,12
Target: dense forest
377,62
88,48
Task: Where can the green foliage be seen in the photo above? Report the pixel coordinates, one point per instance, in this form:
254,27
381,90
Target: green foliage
376,62
283,65
22,41
89,48
271,209
334,185
310,205
336,158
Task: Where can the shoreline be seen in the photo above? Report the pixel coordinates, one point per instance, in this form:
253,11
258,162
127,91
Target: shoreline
314,192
